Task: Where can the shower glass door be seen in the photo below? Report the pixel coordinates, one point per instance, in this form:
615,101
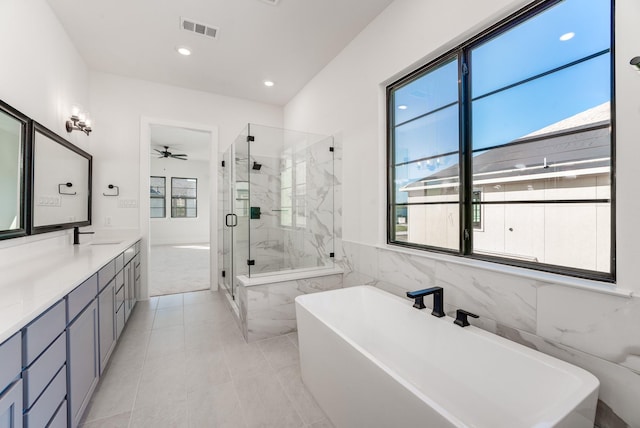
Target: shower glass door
235,211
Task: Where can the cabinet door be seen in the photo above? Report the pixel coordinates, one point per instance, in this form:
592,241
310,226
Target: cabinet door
106,312
83,361
11,406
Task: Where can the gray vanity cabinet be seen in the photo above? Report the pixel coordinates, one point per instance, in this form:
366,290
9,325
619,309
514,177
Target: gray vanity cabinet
107,321
10,383
107,311
44,375
83,354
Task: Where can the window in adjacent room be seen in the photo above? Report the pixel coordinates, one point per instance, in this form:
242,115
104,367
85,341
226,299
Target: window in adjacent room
184,197
522,111
157,195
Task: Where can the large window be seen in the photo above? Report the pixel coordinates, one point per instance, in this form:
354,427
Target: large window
502,148
184,197
157,195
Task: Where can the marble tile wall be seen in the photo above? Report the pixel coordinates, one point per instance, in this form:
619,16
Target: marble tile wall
595,331
269,310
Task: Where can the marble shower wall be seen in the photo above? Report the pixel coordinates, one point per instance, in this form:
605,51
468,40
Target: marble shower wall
595,331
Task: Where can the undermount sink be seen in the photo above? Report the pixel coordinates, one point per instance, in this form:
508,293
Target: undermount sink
106,243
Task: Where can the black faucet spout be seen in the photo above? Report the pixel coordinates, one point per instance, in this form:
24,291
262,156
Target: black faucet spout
438,299
77,233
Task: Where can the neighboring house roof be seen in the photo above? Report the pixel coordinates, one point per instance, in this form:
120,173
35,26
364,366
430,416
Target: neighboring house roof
578,145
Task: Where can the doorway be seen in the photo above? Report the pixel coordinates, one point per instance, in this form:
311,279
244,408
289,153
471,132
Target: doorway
180,209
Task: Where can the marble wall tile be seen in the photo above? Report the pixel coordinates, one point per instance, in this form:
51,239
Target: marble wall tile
619,386
270,308
507,299
602,325
406,271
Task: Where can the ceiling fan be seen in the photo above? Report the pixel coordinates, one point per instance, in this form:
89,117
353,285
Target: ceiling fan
167,154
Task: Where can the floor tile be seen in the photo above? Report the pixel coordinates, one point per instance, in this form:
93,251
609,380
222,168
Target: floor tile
301,398
215,406
169,317
163,382
170,300
198,297
110,399
206,368
165,341
326,423
117,421
264,403
279,351
160,416
246,360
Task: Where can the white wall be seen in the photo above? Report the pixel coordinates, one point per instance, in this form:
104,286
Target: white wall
550,312
42,74
169,231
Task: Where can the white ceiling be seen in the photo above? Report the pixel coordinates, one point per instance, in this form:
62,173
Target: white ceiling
195,144
288,43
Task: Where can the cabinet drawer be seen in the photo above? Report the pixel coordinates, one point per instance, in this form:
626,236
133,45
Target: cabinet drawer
106,274
45,407
119,297
10,356
137,245
40,333
60,418
119,280
119,262
136,267
11,406
37,376
129,253
81,296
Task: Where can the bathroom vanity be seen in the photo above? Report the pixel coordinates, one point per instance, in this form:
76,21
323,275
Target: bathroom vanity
62,311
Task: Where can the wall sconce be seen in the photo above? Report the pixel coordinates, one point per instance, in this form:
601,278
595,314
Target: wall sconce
78,122
635,61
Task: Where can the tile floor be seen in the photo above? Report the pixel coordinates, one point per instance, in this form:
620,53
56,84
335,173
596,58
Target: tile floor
178,268
182,362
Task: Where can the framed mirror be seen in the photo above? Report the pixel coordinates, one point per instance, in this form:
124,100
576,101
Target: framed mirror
13,167
61,183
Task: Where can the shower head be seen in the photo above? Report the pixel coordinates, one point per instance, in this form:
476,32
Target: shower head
257,166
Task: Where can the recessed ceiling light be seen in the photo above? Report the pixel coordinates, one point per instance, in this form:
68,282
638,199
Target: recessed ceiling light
402,107
268,83
567,36
183,51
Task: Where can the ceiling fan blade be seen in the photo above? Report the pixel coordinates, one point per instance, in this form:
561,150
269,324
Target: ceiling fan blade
159,151
176,157
178,154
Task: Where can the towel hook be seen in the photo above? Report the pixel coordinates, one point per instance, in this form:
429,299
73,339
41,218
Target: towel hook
112,186
68,184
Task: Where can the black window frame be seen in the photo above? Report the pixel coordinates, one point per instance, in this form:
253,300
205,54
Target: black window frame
466,189
163,197
195,198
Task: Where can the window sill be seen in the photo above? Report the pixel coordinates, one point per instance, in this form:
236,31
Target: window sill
583,284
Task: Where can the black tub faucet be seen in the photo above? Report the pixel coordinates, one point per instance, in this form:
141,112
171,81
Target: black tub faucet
461,317
438,299
77,233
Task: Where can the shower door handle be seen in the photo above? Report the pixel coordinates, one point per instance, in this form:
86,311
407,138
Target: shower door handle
233,217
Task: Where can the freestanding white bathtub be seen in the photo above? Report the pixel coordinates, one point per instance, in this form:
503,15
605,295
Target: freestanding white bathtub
372,360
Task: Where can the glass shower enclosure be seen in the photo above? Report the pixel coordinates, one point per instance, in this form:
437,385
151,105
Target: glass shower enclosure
277,203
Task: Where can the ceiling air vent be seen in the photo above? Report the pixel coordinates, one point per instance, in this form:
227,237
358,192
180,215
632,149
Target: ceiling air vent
199,28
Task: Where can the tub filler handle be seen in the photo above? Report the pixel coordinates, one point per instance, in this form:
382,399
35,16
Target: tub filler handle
461,317
438,299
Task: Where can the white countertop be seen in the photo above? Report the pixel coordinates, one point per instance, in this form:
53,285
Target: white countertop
29,287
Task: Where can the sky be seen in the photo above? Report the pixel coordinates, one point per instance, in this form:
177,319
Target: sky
564,33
